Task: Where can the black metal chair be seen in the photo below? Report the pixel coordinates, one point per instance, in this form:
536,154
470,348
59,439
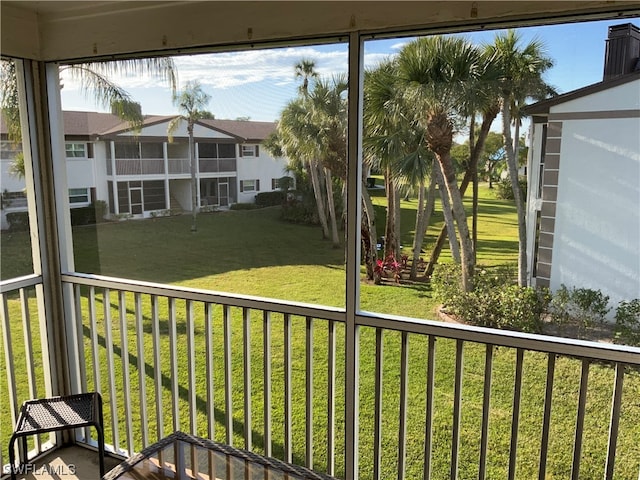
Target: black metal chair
58,413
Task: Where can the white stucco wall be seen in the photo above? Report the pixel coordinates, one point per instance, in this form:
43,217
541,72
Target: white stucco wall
263,168
621,97
597,229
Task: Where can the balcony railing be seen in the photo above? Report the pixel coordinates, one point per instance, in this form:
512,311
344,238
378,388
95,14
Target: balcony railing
140,166
213,165
269,376
176,166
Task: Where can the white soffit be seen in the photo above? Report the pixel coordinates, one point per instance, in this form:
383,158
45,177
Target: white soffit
67,30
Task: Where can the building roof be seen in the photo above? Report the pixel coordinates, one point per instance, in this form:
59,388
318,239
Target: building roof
92,124
89,123
244,129
543,107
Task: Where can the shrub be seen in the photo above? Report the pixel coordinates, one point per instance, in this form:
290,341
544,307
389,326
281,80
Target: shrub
302,212
585,306
101,209
627,328
446,283
270,199
83,216
496,301
243,206
18,221
504,190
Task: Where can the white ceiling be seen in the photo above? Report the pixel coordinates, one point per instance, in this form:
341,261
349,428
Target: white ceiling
68,30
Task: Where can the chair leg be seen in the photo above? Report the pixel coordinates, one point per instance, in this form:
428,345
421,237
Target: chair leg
12,457
101,449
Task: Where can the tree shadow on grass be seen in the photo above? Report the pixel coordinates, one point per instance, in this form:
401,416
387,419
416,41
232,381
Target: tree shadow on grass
201,403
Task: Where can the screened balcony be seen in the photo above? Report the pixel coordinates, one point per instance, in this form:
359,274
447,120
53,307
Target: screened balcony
355,389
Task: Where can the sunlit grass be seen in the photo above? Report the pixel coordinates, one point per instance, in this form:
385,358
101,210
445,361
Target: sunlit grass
253,252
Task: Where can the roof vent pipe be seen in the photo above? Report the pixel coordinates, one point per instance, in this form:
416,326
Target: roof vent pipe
622,52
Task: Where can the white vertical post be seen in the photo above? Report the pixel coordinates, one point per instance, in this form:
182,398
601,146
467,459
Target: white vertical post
354,195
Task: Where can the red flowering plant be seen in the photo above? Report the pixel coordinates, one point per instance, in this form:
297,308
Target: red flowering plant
388,268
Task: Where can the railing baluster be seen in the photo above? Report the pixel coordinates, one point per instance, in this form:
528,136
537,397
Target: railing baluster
80,359
266,348
309,393
582,402
546,419
157,366
614,423
28,351
125,369
404,380
288,448
246,348
228,375
142,386
77,373
428,434
97,383
208,339
191,365
377,412
515,416
80,340
173,354
486,411
331,401
8,356
457,407
111,370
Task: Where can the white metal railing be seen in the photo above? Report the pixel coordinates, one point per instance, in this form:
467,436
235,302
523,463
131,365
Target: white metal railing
179,165
213,165
139,166
269,375
20,325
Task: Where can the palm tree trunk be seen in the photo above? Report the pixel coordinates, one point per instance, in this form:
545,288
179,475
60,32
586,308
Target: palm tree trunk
423,218
368,233
194,186
332,208
317,192
488,116
397,214
512,163
390,240
466,247
473,166
448,217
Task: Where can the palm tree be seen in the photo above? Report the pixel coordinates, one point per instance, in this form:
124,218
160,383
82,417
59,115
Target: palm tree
95,81
328,112
384,140
191,102
436,71
521,69
296,140
305,69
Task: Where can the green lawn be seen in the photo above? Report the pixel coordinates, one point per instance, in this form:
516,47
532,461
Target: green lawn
253,252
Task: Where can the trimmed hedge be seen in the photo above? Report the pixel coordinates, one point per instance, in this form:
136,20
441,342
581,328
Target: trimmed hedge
270,199
18,221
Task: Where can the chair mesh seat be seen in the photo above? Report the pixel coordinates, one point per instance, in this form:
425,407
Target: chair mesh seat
53,413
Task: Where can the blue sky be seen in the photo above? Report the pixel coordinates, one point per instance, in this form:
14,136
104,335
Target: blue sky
258,83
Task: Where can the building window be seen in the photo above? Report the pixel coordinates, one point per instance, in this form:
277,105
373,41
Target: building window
78,195
13,199
282,182
10,150
76,150
249,151
249,185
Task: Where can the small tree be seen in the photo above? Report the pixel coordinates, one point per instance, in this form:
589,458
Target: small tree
191,101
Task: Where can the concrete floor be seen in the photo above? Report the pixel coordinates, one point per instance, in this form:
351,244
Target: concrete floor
68,463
